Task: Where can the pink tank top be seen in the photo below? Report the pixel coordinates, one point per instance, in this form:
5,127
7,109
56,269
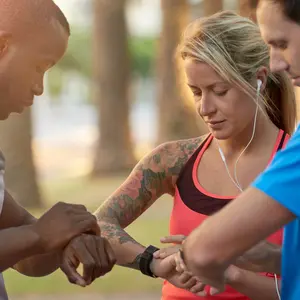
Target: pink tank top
192,205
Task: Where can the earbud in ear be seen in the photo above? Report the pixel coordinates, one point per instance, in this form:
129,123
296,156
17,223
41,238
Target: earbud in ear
259,84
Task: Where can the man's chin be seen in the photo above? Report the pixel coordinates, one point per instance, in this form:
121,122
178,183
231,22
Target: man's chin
5,114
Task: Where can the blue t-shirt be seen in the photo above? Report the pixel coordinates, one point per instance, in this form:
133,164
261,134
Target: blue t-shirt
281,181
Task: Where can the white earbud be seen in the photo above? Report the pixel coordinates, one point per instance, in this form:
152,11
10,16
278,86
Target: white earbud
259,84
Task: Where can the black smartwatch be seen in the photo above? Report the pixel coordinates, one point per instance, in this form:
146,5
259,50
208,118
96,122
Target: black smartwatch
146,259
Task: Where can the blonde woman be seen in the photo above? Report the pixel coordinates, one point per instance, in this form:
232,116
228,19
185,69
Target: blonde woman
250,114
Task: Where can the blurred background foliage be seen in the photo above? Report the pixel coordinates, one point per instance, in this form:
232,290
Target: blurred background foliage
118,92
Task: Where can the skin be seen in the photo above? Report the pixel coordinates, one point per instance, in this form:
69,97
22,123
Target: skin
210,258
279,33
242,280
216,251
59,238
154,176
157,173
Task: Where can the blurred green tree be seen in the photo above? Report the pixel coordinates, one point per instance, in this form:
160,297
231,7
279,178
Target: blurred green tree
79,58
110,58
177,116
111,80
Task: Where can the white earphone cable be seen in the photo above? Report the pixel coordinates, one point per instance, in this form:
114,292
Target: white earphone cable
251,139
277,286
235,179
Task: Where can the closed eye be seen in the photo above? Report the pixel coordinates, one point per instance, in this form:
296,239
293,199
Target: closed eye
221,93
197,93
279,44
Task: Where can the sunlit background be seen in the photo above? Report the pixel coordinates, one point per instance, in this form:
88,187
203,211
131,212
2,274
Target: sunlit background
78,142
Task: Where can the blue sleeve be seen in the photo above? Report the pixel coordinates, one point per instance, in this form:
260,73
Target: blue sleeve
281,180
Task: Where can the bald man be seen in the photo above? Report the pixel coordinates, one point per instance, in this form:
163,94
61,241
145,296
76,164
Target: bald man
33,37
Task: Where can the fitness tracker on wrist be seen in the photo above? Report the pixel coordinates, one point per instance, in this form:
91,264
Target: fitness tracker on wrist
146,259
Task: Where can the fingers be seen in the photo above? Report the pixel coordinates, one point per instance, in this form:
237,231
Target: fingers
83,255
83,222
175,239
96,256
110,255
78,207
164,252
71,207
80,213
88,267
69,266
192,284
106,256
180,265
92,246
187,280
88,224
199,289
103,256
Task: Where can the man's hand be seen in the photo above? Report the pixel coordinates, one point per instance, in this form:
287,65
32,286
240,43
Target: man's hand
62,223
202,264
93,252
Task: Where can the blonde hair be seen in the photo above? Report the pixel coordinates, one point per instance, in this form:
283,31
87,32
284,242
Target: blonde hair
233,47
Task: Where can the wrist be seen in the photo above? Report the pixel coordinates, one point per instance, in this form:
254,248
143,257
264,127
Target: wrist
34,239
234,275
146,263
154,267
273,264
38,238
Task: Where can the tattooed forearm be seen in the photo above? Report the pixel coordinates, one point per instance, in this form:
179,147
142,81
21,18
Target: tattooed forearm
135,264
138,192
114,232
155,175
124,246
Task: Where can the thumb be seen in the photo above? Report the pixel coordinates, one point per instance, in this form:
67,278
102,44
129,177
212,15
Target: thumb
175,239
165,252
73,276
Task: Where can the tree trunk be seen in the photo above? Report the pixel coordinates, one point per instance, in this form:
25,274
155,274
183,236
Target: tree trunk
20,175
114,149
177,116
212,6
247,8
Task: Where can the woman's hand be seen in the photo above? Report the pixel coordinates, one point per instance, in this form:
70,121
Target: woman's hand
166,269
177,240
264,257
231,275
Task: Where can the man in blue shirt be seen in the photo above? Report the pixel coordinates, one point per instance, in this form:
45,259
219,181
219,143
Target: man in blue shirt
273,200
